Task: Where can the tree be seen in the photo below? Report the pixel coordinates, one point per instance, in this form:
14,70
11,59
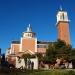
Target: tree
40,57
72,54
25,56
62,49
50,53
58,49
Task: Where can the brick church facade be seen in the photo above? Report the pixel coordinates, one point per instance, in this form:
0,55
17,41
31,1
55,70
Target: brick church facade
30,44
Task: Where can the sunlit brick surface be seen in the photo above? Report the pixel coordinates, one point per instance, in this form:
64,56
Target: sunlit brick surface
63,32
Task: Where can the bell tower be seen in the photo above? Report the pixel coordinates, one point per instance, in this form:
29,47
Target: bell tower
63,26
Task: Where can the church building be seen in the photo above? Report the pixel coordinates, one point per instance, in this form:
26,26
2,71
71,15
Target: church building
29,43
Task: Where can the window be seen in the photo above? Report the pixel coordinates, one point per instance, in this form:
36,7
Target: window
63,16
28,34
37,46
41,46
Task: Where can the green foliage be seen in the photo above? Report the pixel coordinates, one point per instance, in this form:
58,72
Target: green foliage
59,49
50,54
25,56
40,56
72,54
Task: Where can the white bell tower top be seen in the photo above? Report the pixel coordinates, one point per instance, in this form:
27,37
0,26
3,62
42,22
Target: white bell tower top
62,16
29,33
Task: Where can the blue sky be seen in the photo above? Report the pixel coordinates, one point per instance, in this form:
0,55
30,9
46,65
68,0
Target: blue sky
15,15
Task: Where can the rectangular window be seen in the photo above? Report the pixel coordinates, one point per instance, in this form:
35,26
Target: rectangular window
41,46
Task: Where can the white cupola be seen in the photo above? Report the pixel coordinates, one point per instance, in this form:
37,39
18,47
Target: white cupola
29,33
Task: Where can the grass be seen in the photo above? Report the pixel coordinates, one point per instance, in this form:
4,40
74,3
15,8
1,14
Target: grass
41,72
